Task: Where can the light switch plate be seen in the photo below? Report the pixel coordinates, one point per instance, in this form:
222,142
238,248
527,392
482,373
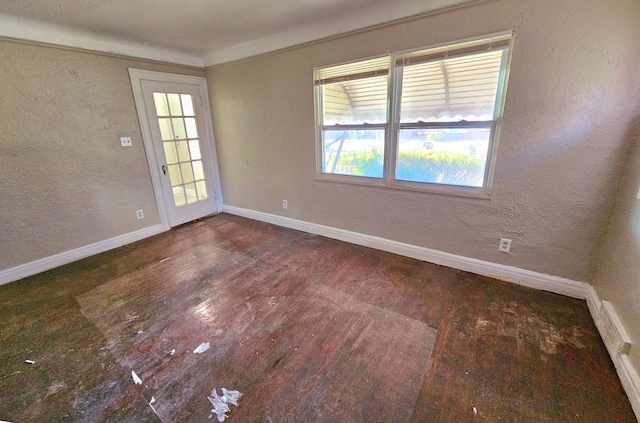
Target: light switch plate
126,141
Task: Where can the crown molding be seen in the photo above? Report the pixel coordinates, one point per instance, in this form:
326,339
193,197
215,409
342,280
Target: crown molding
13,27
381,16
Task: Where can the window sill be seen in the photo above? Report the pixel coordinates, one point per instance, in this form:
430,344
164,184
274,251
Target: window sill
406,186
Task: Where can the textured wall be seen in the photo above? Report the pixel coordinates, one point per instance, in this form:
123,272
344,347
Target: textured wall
572,95
65,181
617,278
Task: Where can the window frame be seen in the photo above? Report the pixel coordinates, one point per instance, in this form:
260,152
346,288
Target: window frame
392,126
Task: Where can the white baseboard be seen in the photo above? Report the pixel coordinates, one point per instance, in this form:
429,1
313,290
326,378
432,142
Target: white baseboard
516,275
47,263
618,344
594,304
615,336
611,330
630,382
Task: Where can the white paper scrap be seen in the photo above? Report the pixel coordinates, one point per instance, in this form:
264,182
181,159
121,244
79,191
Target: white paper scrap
220,407
136,379
202,348
231,397
30,362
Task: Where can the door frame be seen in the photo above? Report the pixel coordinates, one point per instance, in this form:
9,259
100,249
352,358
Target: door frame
137,76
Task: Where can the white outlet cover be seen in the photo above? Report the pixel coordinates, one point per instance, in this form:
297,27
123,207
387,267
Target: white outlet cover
139,214
505,245
126,141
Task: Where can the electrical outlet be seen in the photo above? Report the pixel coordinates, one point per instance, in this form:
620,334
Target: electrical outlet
126,141
139,214
285,204
505,245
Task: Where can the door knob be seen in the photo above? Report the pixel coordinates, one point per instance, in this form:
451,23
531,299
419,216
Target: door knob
164,169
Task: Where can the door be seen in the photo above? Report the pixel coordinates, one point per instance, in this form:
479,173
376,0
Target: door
183,157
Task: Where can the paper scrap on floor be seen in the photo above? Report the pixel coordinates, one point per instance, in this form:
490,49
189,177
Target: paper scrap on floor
136,379
202,348
220,407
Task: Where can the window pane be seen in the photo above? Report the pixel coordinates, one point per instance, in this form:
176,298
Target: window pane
183,151
187,105
165,129
178,128
170,152
178,196
162,108
198,171
452,156
451,90
194,147
354,152
355,102
190,191
192,131
202,190
174,104
174,175
187,173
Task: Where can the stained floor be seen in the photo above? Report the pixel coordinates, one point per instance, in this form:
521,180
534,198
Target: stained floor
307,328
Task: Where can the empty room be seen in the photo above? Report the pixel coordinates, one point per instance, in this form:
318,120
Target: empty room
320,211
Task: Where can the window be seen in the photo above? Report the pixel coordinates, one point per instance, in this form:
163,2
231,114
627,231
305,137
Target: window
419,120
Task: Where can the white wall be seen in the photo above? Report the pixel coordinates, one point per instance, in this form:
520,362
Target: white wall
65,181
572,97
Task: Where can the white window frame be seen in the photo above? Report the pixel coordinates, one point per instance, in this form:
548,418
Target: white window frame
393,125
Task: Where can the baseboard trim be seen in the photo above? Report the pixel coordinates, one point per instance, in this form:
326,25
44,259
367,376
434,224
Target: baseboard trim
516,275
47,263
609,326
618,344
595,305
630,382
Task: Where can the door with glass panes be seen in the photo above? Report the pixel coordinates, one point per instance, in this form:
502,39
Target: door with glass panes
175,116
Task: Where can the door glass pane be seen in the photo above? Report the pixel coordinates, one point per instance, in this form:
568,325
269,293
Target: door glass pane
174,175
165,129
178,196
187,105
187,173
454,156
170,152
174,104
178,128
357,152
202,190
198,172
162,108
190,191
183,151
194,147
192,131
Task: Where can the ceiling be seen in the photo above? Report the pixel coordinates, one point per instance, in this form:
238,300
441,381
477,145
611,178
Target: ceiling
197,32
